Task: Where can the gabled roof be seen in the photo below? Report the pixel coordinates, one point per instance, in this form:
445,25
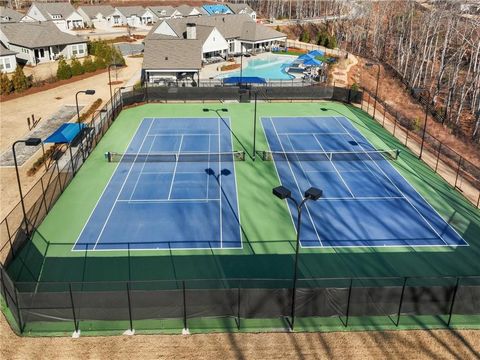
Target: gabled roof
93,10
34,34
162,10
240,8
158,54
180,28
185,10
128,11
5,52
252,31
9,15
64,9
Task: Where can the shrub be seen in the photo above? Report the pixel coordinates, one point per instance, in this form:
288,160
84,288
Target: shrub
107,52
19,80
354,86
99,63
6,86
305,36
77,68
88,65
64,70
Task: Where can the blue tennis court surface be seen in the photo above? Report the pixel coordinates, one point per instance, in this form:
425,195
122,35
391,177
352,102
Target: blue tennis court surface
365,202
174,204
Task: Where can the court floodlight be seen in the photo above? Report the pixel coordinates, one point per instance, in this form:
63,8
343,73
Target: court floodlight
282,192
89,92
313,194
33,141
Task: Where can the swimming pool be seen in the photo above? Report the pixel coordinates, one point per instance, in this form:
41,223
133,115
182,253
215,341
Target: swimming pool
271,67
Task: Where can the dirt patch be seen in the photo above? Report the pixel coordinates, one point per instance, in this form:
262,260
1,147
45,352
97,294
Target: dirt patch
48,86
391,89
440,344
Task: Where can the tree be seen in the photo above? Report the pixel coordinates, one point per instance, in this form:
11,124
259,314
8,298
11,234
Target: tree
99,63
77,68
88,65
19,80
6,86
305,36
64,70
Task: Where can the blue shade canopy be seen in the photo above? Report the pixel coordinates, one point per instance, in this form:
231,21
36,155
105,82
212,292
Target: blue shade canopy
65,133
312,62
305,57
213,9
244,80
316,53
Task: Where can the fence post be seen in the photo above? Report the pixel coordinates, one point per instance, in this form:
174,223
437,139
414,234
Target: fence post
185,325
368,102
238,306
19,313
348,301
453,301
401,301
395,123
73,309
438,157
43,193
406,139
478,200
129,308
458,171
383,121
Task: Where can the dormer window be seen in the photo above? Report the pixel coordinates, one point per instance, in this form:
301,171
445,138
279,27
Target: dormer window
163,12
56,16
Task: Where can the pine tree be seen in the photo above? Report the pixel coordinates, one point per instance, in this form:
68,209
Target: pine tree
64,70
77,68
6,86
19,80
88,65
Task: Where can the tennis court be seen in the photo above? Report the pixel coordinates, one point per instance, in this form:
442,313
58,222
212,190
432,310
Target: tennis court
366,202
173,188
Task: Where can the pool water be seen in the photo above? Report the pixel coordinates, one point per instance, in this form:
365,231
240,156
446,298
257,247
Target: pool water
270,68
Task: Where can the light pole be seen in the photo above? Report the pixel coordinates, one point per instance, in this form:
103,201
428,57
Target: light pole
27,142
110,78
376,89
86,92
311,194
420,90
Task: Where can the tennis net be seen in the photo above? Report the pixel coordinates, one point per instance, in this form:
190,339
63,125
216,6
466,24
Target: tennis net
330,155
175,157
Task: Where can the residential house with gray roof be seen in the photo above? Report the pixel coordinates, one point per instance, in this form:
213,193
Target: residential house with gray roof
96,15
202,39
187,10
9,15
61,14
242,9
8,61
165,12
127,15
37,43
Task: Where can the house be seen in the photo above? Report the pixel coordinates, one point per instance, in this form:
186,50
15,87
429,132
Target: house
61,14
204,38
127,15
186,10
165,12
217,9
96,15
148,17
243,9
8,15
36,42
8,61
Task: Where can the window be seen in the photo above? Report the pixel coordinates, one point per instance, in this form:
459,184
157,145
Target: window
56,16
78,49
5,64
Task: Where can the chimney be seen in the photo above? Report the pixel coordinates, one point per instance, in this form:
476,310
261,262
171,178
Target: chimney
191,31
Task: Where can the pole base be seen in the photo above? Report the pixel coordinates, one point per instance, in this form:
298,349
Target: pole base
76,334
185,332
129,332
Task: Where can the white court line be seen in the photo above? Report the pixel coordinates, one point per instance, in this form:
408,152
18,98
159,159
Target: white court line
169,172
408,200
365,198
176,134
316,133
121,189
104,189
296,182
338,172
175,169
220,185
165,200
141,171
208,166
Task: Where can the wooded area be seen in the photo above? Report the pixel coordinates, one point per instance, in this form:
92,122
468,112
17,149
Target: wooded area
434,48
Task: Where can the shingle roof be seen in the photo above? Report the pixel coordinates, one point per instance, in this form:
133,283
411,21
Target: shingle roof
9,15
64,9
238,8
93,10
185,10
169,10
4,51
230,26
158,54
34,34
128,11
252,31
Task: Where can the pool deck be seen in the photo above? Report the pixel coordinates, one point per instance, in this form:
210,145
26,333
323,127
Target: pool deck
212,70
